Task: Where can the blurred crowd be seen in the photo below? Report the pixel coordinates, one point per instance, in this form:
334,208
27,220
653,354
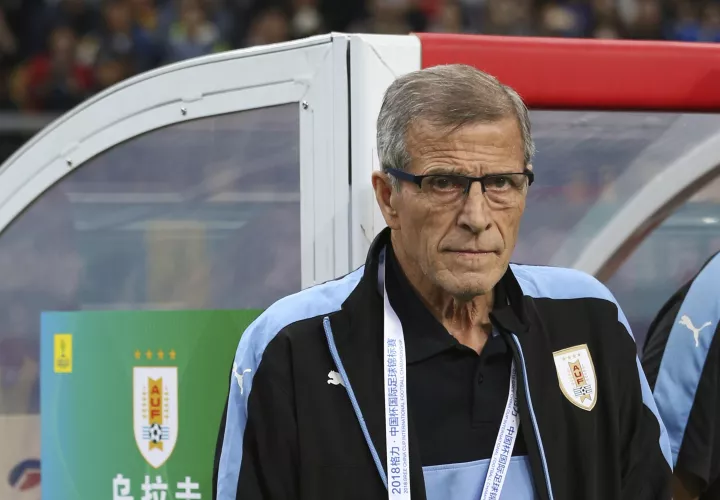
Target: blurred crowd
56,53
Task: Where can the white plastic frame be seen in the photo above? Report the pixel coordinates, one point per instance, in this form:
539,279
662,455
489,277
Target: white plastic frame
375,62
310,72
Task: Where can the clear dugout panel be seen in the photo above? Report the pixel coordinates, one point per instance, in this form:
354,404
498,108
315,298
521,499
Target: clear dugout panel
201,214
668,257
589,166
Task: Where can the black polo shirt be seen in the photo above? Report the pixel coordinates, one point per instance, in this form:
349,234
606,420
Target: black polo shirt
456,397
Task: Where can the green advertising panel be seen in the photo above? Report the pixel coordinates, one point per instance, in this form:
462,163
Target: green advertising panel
131,402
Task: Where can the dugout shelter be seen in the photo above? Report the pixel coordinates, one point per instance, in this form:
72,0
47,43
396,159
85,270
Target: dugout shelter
232,180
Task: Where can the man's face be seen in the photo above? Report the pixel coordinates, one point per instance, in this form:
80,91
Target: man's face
462,247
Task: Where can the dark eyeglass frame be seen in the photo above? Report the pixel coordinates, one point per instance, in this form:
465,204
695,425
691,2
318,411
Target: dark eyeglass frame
417,179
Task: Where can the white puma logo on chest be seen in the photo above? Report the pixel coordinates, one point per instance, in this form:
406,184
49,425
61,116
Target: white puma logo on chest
687,322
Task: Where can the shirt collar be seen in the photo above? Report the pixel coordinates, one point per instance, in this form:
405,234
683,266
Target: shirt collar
509,314
424,335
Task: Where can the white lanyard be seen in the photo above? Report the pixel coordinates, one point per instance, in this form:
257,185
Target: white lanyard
396,418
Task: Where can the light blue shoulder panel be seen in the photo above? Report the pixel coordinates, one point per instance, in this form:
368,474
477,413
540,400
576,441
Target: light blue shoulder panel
318,300
686,352
561,283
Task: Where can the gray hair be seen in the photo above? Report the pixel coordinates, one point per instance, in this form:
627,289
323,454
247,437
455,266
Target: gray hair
448,96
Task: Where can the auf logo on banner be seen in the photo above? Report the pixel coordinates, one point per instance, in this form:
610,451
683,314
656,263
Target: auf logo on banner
62,348
155,411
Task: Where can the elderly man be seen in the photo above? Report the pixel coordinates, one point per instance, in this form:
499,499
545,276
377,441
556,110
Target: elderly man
438,370
682,362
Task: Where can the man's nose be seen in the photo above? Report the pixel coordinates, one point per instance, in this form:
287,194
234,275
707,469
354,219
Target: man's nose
475,214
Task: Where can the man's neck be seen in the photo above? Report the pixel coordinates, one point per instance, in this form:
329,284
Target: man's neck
466,320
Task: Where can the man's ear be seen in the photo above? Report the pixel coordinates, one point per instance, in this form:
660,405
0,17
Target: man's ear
386,196
529,167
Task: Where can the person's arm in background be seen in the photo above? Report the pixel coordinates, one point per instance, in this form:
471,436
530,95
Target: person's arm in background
697,466
682,361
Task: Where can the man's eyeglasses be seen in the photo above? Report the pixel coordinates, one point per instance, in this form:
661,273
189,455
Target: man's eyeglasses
501,189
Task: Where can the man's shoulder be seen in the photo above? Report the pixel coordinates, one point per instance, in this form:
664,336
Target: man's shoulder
318,300
566,284
559,283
